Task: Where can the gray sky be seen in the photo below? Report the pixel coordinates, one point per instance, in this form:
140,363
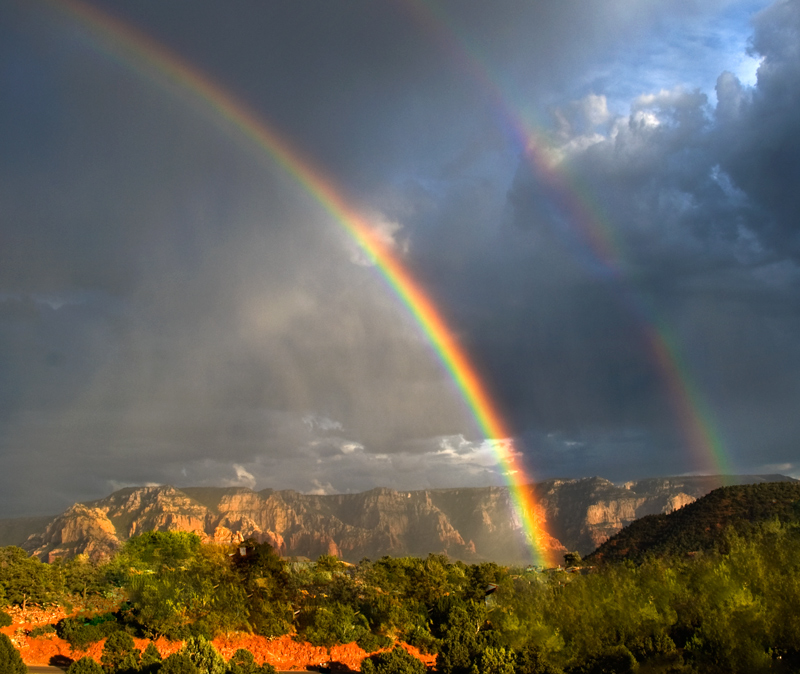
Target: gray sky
175,308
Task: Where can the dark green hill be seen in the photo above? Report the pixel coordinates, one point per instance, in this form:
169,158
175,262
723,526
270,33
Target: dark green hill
15,531
699,525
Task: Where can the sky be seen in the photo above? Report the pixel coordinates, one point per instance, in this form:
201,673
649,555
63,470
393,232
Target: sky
601,199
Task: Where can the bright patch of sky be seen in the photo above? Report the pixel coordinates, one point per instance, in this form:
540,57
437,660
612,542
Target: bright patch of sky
690,50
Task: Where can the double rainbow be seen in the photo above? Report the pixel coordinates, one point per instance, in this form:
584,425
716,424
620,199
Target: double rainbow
706,448
149,58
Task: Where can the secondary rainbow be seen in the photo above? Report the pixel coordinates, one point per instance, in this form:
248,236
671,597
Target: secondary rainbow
598,236
152,60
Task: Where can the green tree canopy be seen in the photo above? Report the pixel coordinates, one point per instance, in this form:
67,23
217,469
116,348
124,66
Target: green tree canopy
85,665
10,659
396,661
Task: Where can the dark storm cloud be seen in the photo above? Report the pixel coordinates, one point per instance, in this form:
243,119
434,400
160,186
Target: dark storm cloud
703,203
175,308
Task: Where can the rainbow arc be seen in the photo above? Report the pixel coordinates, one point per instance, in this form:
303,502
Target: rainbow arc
149,58
597,236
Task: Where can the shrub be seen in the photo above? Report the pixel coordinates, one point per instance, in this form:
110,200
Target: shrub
496,660
613,660
530,661
85,666
120,654
5,619
151,659
80,632
42,631
204,656
243,662
370,642
10,660
396,661
334,623
178,663
424,640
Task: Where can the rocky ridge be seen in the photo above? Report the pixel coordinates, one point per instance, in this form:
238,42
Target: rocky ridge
472,524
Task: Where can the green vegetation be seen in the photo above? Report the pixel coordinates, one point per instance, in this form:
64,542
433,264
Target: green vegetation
10,659
243,662
698,526
730,608
85,666
396,661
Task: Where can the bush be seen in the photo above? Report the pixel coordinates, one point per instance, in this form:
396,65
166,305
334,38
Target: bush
81,632
10,660
178,663
85,666
243,662
424,640
204,656
120,654
614,660
396,661
373,642
530,661
5,619
151,659
334,623
496,661
42,631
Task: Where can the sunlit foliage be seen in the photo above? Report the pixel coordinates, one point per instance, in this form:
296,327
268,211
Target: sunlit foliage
730,609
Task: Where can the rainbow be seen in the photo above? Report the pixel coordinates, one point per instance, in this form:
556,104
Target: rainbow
707,450
150,59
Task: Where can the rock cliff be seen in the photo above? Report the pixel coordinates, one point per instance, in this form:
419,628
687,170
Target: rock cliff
472,524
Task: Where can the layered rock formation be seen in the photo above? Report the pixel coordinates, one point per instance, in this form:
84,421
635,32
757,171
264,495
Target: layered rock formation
472,524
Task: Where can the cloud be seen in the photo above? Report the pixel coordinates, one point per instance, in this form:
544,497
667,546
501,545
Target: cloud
243,478
173,305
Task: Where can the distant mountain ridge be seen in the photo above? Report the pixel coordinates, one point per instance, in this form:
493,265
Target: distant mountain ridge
472,524
699,526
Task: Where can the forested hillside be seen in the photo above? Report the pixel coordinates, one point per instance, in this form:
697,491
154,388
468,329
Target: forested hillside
697,527
733,609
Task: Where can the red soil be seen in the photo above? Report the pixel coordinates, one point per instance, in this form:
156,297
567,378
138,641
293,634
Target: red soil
282,652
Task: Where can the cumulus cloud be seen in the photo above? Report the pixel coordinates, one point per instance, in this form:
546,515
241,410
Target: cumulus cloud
243,478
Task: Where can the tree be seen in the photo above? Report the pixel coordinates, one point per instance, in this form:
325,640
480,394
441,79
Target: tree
10,659
204,656
496,661
613,660
243,662
82,631
572,559
120,654
178,663
160,550
85,665
334,623
530,661
25,578
151,660
396,661
265,578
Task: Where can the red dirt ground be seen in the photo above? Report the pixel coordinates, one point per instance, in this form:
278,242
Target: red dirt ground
282,652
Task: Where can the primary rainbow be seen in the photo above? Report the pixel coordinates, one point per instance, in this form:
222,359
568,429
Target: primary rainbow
701,436
149,58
